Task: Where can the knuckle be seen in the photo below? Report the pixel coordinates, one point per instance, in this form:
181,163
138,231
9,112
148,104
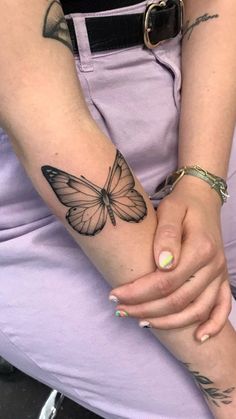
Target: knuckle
169,230
178,302
164,286
201,315
207,247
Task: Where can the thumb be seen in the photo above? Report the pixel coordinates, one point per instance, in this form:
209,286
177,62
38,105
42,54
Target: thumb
168,236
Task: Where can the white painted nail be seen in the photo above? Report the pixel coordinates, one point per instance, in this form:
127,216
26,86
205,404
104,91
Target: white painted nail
144,323
204,338
113,299
165,259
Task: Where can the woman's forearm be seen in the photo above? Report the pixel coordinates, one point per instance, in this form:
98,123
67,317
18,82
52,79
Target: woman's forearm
208,109
51,126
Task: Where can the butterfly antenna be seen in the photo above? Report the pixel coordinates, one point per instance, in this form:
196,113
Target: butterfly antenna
97,188
108,178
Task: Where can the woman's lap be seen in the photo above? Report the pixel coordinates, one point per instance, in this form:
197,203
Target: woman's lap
56,321
61,329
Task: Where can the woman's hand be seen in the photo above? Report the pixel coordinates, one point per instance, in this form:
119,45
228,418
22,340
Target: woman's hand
193,286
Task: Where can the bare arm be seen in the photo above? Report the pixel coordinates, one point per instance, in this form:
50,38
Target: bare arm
208,108
209,96
51,126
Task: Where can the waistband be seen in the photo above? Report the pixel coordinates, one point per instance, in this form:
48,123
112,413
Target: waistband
134,8
91,6
125,27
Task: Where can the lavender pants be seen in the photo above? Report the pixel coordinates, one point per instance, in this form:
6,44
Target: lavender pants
56,322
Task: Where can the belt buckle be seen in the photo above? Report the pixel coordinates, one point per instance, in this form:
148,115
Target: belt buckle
147,28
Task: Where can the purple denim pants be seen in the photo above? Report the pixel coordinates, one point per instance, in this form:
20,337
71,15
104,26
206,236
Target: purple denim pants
56,322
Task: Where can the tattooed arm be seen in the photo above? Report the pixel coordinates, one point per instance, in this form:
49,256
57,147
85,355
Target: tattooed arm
50,127
209,96
208,115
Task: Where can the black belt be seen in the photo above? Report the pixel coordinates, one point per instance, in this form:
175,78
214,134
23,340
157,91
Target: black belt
160,21
91,6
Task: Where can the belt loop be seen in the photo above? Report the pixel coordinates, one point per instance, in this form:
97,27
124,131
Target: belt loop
85,56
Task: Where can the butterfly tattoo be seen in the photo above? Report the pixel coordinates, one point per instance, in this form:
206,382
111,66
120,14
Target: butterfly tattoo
91,205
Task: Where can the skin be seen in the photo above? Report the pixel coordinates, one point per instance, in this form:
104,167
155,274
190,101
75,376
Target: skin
125,253
206,129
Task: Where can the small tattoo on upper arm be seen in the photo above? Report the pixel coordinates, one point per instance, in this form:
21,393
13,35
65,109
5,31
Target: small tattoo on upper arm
55,25
91,205
190,26
212,394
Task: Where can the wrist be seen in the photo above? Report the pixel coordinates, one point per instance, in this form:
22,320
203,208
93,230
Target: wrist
198,189
217,183
189,176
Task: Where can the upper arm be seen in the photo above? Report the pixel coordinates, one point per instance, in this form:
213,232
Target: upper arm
36,63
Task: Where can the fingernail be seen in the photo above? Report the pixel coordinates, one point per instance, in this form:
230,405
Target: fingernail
144,324
165,259
121,313
113,299
204,338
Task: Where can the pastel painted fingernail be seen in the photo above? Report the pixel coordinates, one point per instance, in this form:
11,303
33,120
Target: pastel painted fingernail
204,338
113,299
165,259
144,324
121,313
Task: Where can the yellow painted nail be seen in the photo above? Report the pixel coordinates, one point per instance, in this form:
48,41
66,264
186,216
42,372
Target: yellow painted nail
165,259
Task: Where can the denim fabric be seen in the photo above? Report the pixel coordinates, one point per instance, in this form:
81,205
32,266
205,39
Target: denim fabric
56,322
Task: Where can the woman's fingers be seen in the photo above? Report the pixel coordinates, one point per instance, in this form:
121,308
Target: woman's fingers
196,312
160,284
178,301
200,259
218,315
175,302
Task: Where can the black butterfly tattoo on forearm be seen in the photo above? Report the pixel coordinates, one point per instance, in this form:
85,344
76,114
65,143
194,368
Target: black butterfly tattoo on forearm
91,205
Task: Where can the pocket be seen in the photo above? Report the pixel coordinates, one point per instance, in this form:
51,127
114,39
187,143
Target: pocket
168,54
130,95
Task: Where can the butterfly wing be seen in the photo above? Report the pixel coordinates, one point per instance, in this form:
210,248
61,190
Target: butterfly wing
87,214
127,203
87,221
131,207
121,178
